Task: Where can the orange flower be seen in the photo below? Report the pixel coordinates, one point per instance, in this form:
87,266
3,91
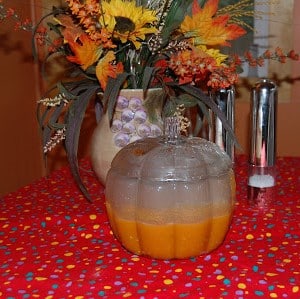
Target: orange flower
267,54
40,36
161,75
279,52
105,38
222,77
86,52
105,69
260,61
10,12
293,55
192,65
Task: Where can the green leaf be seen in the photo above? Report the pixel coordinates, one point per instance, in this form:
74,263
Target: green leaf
197,125
66,92
111,93
205,112
174,17
153,103
170,107
74,120
48,120
148,75
54,28
186,100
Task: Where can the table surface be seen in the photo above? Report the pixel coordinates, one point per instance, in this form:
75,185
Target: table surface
54,244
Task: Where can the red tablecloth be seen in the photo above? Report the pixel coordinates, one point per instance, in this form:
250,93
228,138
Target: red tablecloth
54,244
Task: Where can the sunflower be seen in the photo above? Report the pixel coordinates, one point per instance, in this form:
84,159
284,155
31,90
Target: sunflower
126,21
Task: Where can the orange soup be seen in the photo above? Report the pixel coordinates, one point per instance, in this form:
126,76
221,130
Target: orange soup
178,240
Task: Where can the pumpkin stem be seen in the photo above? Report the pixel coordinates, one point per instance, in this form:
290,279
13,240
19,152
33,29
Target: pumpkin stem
172,129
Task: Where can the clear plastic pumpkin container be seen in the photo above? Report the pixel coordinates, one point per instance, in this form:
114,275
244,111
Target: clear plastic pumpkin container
170,197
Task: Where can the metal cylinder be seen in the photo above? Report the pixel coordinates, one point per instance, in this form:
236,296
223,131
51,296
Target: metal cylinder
263,123
262,160
225,99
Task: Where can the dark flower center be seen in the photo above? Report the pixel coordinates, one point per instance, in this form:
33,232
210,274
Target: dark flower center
124,25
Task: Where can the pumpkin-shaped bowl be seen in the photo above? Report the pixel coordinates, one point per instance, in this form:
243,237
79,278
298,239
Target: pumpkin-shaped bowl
170,200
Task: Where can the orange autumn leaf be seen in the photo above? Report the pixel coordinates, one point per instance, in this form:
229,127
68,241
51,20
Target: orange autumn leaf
210,8
105,69
208,29
70,31
86,52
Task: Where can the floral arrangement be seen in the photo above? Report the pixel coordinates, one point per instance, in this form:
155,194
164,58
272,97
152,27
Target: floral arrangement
177,45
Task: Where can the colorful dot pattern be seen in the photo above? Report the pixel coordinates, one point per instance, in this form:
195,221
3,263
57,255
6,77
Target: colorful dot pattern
54,244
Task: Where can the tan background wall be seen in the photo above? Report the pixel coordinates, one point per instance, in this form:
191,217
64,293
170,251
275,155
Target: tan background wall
286,33
20,154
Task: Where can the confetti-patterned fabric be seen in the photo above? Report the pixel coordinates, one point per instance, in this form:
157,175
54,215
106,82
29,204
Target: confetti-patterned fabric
54,244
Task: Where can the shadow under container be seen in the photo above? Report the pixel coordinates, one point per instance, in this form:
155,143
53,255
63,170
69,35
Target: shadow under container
170,200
